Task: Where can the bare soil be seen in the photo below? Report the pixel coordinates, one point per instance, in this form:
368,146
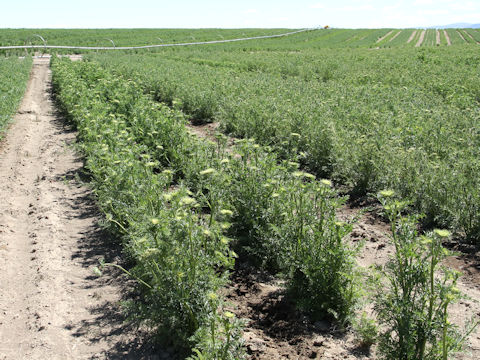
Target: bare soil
420,39
437,39
51,304
449,43
471,37
394,37
460,34
276,330
412,36
384,36
206,131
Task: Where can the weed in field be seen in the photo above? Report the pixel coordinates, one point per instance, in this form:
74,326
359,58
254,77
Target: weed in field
366,330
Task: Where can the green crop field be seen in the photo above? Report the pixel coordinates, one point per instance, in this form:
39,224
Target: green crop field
402,118
119,37
305,123
13,80
325,38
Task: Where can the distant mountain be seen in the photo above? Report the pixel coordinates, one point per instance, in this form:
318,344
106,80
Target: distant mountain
457,26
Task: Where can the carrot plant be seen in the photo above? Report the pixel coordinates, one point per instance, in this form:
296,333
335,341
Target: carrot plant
362,124
413,313
185,207
181,259
284,220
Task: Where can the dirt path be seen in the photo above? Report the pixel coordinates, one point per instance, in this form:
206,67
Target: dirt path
449,43
420,39
470,36
384,36
393,38
437,40
460,34
51,305
412,36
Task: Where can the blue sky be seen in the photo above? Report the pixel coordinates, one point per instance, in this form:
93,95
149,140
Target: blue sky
234,14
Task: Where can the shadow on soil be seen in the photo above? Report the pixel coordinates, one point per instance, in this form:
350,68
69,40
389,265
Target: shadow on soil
278,326
108,323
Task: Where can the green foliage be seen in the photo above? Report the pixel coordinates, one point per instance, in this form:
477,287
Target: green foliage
400,119
413,313
366,330
120,37
182,205
285,220
226,328
13,81
180,259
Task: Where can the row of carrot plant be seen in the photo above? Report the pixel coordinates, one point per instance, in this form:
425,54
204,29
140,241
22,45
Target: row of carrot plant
316,38
185,208
117,37
405,119
14,74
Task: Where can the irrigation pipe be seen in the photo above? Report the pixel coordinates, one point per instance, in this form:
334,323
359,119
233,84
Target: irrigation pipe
147,46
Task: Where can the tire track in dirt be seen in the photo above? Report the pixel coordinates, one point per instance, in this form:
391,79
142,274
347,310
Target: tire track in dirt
437,37
449,43
51,305
412,36
384,36
420,39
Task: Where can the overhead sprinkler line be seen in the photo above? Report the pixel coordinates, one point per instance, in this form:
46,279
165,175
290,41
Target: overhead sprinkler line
41,37
45,46
36,35
111,42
